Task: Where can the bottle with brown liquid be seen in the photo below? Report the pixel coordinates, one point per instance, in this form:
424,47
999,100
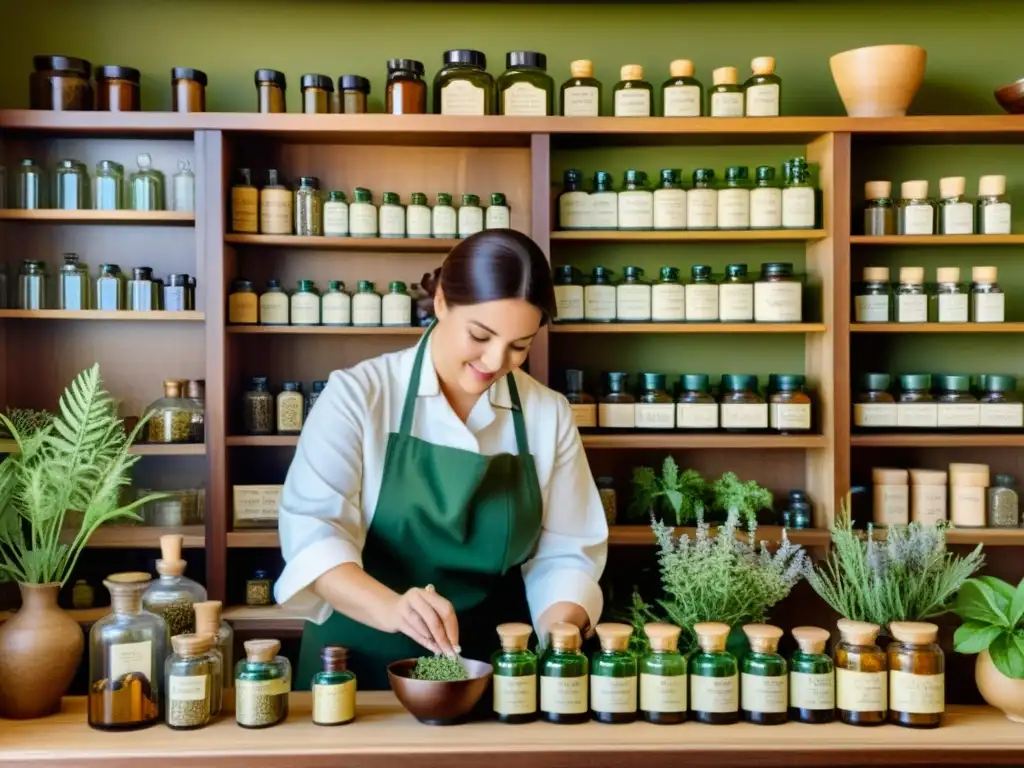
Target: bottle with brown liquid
861,674
917,680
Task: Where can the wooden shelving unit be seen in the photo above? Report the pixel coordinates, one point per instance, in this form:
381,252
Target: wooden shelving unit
641,535
909,240
142,537
671,441
939,440
99,217
937,328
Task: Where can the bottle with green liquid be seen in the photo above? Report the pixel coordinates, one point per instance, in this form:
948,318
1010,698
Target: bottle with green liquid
515,675
613,676
764,685
663,676
563,677
812,680
714,678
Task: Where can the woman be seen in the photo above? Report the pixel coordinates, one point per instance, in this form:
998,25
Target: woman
424,478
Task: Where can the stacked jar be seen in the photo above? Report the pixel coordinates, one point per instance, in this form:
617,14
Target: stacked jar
939,401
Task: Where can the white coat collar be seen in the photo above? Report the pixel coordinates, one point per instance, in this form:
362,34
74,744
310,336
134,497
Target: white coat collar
497,394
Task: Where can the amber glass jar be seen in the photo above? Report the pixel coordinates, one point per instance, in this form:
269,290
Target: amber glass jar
117,89
917,679
316,94
353,90
188,89
60,83
861,679
406,92
271,87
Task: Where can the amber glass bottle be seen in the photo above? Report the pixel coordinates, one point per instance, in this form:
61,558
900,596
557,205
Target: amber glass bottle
764,686
714,682
861,680
812,678
917,680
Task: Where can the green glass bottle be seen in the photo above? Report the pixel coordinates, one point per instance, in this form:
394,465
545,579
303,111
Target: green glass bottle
764,685
574,202
726,97
714,678
799,199
563,677
515,675
663,676
463,86
763,89
599,297
525,88
812,680
334,688
581,93
634,96
613,678
568,294
682,95
604,202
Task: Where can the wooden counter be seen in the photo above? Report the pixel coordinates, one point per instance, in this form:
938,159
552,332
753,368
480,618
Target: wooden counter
385,735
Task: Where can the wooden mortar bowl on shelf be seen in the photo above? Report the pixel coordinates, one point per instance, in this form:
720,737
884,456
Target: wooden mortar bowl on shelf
880,80
439,703
1011,97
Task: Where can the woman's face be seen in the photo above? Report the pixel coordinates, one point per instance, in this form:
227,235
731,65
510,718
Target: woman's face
480,343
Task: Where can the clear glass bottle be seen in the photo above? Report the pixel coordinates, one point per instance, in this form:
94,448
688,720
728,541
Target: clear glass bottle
147,186
71,186
778,295
396,305
764,683
725,99
418,216
258,407
988,302
603,211
701,296
366,305
309,220
259,589
655,408
127,648
613,676
812,682
392,216
73,288
583,405
663,681
734,199
916,212
682,95
765,200
950,301
274,304
30,191
669,201
291,408
633,96
1003,503
714,677
170,417
334,688
209,622
568,294
33,291
696,407
183,188
633,297
525,88
563,677
462,86
993,210
1001,407
471,216
599,297
702,201
910,299
581,93
873,404
879,209
763,89
668,297
956,214
194,674
573,203
636,202
336,305
736,296
108,186
111,294
861,674
142,290
799,199
917,679
742,408
871,303
173,595
263,681
362,214
789,405
444,219
305,304
617,408
515,675
497,215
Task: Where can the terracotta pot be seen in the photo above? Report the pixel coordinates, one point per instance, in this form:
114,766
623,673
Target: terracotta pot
879,81
997,689
40,649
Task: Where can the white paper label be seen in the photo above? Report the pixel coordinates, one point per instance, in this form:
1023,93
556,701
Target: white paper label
812,691
789,416
952,307
417,221
131,657
616,415
515,695
874,414
668,302
563,695
663,693
336,309
967,506
655,415
763,100
861,691
995,218
917,415
604,210
396,309
471,220
584,415
765,208
613,694
798,208
335,219
744,415
714,694
633,102
445,221
702,209
392,221
697,415
727,105
305,309
633,303
958,219
701,302
917,694
581,101
911,308
959,415
362,220
928,504
733,208
187,687
871,309
670,209
574,210
636,209
366,309
918,220
461,97
891,505
778,302
682,101
599,302
497,217
736,302
1003,415
524,99
764,694
569,302
989,307
274,308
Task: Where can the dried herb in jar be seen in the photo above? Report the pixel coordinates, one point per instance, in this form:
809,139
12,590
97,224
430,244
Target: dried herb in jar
262,684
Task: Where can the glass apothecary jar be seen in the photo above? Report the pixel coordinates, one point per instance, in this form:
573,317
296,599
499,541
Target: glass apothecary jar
633,297
209,622
1001,407
147,186
668,298
765,200
258,407
701,296
271,87
317,91
193,672
988,302
812,683
259,589
736,295
879,209
764,684
308,208
916,212
742,408
714,677
563,677
599,297
617,408
682,95
917,679
613,676
663,699
861,674
778,294
406,93
525,88
515,675
108,186
263,681
789,405
334,688
71,187
910,299
871,302
581,93
367,305
568,294
956,213
173,594
949,302
60,83
117,89
33,291
171,417
993,215
462,86
632,95
582,403
655,408
73,289
696,407
1004,503
127,648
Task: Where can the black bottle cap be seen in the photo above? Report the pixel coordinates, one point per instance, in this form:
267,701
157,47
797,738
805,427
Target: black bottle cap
112,72
406,65
700,271
353,83
323,82
517,59
187,73
271,76
465,56
65,63
736,270
258,383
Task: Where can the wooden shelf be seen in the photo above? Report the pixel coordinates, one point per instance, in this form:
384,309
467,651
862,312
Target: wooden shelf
745,328
638,535
269,618
84,616
266,538
691,236
937,440
262,441
142,449
140,536
99,314
327,330
682,441
937,327
937,240
100,217
386,244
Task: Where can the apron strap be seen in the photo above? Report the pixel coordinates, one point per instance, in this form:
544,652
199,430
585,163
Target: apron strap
522,444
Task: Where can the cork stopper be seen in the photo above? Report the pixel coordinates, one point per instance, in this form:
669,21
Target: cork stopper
725,76
681,68
971,475
874,190
927,477
764,638
947,274
989,186
207,617
191,645
912,275
261,650
711,635
334,658
811,639
763,65
126,590
663,637
888,476
170,562
858,632
984,274
631,72
514,636
172,388
565,637
614,637
582,68
914,190
952,186
876,274
914,632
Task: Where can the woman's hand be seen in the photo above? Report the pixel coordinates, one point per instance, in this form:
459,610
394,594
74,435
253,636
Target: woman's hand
427,618
569,613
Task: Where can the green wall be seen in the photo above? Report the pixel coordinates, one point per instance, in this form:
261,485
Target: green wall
970,45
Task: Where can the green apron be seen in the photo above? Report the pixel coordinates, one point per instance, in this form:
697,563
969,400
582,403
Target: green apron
448,517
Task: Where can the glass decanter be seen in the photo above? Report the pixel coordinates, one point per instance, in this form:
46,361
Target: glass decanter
173,595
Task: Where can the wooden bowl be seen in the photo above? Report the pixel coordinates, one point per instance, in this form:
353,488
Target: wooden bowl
437,703
879,81
1011,97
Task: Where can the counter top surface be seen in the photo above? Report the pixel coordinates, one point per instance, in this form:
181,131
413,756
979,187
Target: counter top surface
384,732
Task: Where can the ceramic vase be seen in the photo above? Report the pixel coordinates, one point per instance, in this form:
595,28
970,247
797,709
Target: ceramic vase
40,649
998,690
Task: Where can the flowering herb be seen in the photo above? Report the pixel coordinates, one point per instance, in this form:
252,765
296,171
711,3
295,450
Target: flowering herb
439,669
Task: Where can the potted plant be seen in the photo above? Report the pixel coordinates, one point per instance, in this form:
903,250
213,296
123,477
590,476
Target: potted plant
993,628
682,496
746,499
76,462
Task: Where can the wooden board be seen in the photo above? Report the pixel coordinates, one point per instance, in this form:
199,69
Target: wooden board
97,314
143,537
143,449
376,244
930,240
99,217
688,328
937,328
690,236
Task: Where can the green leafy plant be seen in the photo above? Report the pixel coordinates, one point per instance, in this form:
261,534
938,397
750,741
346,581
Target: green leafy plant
745,498
907,576
722,577
993,614
76,463
683,496
26,421
440,669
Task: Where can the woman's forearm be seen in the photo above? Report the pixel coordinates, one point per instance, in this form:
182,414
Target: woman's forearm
353,592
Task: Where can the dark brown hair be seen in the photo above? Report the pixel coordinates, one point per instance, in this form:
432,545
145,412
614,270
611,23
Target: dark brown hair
498,264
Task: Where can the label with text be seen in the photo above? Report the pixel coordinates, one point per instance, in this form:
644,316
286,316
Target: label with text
563,695
812,691
917,694
861,691
515,695
714,694
764,694
663,693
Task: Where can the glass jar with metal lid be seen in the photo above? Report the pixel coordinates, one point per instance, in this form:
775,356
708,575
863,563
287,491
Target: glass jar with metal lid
117,89
696,407
1001,407
633,297
188,89
655,408
525,88
734,199
73,285
147,186
308,208
32,285
193,672
463,86
568,294
353,90
60,83
701,296
142,295
258,407
271,87
789,406
71,188
873,404
316,94
742,408
871,302
30,186
110,288
879,209
736,295
406,92
778,295
915,388
765,200
108,186
915,407
957,408
668,298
